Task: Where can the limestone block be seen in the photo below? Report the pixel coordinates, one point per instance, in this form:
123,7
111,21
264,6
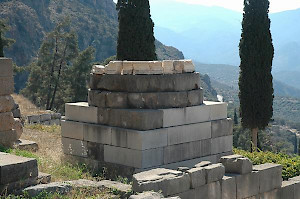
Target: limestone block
70,129
189,133
202,164
55,116
95,151
16,113
186,151
221,128
120,187
156,67
274,194
218,156
97,133
97,98
170,182
228,184
168,66
211,191
114,68
127,68
6,121
214,172
15,187
133,158
6,67
26,145
45,117
18,127
74,147
195,97
141,68
221,144
247,185
6,103
104,99
7,85
297,189
33,119
98,69
147,195
189,67
236,164
270,176
14,168
197,176
8,138
218,110
146,83
178,66
287,190
81,112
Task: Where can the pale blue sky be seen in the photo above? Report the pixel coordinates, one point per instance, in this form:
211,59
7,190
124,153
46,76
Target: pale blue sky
275,5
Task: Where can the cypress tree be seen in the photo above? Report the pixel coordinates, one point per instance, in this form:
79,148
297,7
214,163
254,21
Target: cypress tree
4,42
235,118
136,40
256,81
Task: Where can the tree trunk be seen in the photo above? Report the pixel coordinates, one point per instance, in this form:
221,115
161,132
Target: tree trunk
254,133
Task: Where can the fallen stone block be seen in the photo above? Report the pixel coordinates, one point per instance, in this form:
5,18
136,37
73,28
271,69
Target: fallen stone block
236,164
197,176
147,195
55,122
26,145
220,128
74,147
247,185
98,69
123,188
7,85
16,187
55,187
133,158
114,68
6,67
270,176
214,172
8,138
34,119
221,144
168,181
145,83
7,121
6,103
55,116
202,164
14,168
43,178
186,151
45,117
228,184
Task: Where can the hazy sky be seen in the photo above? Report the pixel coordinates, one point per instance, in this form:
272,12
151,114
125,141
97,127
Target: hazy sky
275,5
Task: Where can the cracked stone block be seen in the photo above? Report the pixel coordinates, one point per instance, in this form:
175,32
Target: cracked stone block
236,164
214,172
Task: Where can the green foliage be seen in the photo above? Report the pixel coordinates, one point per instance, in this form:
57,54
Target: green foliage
64,70
4,42
290,164
256,53
136,37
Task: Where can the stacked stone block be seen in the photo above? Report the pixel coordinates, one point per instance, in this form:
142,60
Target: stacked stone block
145,115
8,125
233,178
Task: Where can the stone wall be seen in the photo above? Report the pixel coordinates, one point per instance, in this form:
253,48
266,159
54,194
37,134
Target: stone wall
45,118
233,178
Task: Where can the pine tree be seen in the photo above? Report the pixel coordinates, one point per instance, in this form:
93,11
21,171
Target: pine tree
255,82
4,42
136,40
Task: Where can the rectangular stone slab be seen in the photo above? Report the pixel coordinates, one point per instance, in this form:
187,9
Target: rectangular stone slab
6,67
155,100
6,121
146,119
146,83
6,103
7,85
14,168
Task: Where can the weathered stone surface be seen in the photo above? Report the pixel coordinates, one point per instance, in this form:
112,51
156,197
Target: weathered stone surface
168,66
220,128
33,119
247,185
236,164
114,68
124,188
14,168
81,112
287,190
55,116
228,184
43,178
74,147
105,99
170,182
197,176
98,69
95,151
202,164
141,68
214,172
221,144
18,127
26,145
8,138
178,66
274,194
15,187
7,121
147,195
55,187
145,83
45,117
127,68
270,176
208,191
70,129
133,158
6,103
186,151
188,67
6,67
7,85
156,67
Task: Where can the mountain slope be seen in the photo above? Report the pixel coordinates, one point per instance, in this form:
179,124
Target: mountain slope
95,22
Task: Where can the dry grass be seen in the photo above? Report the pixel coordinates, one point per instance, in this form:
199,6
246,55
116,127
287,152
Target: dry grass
26,107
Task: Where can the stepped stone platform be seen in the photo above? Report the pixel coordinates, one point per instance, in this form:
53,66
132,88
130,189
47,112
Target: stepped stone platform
143,115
